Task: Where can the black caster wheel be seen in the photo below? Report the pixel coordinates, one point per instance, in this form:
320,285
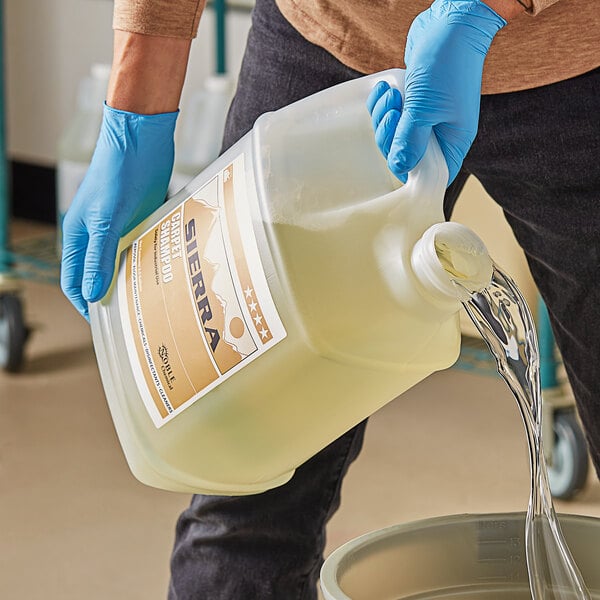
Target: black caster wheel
568,473
13,333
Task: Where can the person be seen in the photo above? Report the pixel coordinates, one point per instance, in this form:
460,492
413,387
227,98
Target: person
526,125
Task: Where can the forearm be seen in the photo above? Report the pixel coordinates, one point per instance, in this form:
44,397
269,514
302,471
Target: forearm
148,72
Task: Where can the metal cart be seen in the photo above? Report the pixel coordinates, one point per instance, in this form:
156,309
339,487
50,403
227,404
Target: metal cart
31,259
13,332
34,258
37,258
566,453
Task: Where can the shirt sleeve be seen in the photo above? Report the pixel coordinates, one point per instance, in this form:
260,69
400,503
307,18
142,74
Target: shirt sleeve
168,18
538,6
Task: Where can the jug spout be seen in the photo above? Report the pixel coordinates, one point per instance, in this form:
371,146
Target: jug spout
451,262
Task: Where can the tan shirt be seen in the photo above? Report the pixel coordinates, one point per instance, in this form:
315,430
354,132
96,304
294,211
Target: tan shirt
559,40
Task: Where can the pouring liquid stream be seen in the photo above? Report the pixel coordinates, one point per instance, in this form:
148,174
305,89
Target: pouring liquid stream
502,317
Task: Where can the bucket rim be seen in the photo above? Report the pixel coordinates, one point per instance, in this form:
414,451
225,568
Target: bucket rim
348,554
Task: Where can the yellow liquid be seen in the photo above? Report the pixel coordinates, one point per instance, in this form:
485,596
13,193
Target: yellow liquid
346,306
350,348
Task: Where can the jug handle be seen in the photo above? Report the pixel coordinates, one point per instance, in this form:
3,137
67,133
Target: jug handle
430,175
425,188
427,182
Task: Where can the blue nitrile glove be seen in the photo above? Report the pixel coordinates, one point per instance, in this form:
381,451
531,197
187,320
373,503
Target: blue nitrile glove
126,181
445,50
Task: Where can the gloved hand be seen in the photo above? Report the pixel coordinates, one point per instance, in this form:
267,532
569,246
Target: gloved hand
126,181
445,50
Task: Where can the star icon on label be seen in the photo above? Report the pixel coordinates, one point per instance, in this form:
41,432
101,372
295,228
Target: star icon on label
264,333
258,319
252,306
248,291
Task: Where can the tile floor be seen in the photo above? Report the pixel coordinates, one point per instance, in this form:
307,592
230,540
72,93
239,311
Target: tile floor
75,524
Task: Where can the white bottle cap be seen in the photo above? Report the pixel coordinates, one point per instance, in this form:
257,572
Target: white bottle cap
221,84
451,261
100,71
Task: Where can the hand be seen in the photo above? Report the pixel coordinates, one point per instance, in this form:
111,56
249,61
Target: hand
445,50
126,181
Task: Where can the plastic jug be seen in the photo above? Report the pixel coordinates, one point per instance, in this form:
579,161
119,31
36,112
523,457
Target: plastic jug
200,129
77,143
291,290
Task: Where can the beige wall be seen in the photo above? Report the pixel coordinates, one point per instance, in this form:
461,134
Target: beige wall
50,45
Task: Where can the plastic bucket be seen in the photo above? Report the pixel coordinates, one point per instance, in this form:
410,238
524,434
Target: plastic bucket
474,557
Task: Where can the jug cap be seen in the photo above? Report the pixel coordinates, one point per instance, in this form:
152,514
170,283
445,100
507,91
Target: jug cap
451,261
218,83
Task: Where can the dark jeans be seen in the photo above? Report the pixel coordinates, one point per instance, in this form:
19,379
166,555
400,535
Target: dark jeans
537,153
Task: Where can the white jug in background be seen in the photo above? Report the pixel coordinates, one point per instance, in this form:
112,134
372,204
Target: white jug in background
78,141
200,129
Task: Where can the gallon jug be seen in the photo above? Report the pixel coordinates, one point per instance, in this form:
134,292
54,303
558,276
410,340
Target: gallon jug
78,141
288,292
200,129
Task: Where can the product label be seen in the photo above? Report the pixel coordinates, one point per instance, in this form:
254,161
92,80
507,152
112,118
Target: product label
194,299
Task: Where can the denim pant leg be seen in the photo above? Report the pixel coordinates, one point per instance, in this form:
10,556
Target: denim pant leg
278,68
263,547
537,154
267,546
